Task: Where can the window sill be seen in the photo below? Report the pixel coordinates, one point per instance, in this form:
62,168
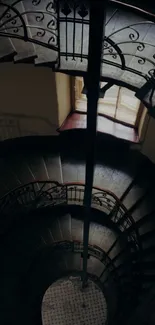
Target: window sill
104,125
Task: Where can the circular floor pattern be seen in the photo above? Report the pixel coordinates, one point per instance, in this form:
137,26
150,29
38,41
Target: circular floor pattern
65,303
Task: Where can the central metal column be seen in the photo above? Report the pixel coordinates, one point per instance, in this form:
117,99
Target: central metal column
96,36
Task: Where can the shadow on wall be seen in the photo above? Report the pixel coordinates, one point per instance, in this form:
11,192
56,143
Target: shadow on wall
20,125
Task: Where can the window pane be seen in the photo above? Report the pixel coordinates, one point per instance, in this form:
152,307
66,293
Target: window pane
81,104
110,96
106,109
127,98
127,115
107,105
119,103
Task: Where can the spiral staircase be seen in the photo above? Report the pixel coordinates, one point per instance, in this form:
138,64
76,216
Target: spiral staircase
77,222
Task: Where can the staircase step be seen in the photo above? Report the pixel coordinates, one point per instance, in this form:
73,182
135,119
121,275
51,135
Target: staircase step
37,166
65,224
72,172
20,168
47,236
101,236
103,176
53,167
95,266
147,227
43,53
7,50
24,50
56,230
146,219
111,178
148,237
134,195
73,261
9,180
77,230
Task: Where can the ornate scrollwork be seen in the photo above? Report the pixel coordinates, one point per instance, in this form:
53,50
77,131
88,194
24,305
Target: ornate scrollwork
141,60
83,12
13,22
151,73
110,50
135,35
140,47
51,7
36,2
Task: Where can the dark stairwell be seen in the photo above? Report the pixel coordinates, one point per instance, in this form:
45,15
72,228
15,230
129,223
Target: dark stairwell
76,209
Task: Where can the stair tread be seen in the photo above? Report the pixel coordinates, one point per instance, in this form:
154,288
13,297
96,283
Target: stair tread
9,179
37,166
101,236
56,231
77,230
111,178
6,49
95,266
53,167
22,48
73,261
43,54
69,172
65,224
21,169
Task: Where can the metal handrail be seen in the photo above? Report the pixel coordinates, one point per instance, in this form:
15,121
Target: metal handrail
38,194
43,193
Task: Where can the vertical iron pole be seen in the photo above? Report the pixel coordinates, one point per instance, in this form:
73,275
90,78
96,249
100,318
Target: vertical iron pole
96,36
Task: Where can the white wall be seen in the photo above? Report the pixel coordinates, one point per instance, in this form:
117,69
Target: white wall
28,101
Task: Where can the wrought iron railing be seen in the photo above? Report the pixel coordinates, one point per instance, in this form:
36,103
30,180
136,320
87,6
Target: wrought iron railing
48,193
63,27
41,194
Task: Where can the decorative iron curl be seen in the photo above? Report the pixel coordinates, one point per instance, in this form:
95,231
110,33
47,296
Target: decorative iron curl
41,32
52,40
52,24
110,50
140,47
133,36
40,16
141,60
151,73
13,19
51,7
36,2
110,45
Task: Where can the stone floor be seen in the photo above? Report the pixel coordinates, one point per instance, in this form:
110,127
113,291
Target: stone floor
66,303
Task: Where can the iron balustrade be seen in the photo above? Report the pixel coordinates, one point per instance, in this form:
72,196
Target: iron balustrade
50,193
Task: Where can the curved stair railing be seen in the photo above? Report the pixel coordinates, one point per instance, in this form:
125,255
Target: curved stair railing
50,193
61,28
44,194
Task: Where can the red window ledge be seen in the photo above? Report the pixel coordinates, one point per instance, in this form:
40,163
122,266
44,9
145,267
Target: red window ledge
104,125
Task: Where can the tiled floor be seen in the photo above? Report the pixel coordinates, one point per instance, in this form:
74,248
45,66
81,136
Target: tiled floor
66,303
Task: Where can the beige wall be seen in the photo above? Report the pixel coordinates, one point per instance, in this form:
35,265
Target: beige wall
28,101
143,124
63,95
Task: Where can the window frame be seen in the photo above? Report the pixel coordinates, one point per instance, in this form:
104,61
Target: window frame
114,119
